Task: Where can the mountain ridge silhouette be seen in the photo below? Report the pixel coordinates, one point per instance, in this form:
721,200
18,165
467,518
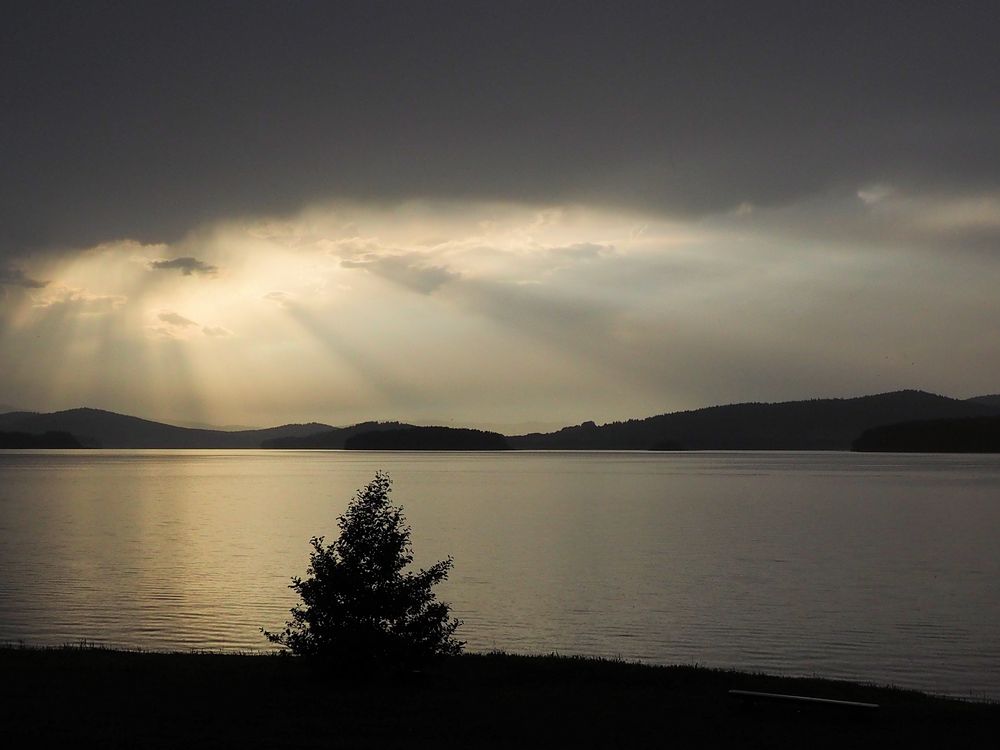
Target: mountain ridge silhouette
813,424
98,428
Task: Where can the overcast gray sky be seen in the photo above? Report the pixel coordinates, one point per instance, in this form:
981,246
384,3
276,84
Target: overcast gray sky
500,214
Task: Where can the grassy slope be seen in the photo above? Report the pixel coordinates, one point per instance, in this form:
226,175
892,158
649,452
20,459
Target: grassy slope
96,698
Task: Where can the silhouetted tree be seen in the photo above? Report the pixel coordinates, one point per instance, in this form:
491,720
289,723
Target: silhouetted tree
358,604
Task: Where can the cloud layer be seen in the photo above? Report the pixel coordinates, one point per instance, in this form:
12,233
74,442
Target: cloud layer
16,277
494,212
186,265
496,315
145,122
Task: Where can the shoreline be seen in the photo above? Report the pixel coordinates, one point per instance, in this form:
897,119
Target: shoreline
96,696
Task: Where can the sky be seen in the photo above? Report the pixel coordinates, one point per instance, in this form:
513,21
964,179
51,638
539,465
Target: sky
506,215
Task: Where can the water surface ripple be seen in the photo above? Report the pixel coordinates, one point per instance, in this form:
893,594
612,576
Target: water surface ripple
882,568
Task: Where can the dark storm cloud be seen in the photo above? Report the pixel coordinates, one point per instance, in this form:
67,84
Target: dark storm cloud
16,277
144,120
186,266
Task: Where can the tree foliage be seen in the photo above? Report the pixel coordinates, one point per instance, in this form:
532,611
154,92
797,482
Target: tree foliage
358,604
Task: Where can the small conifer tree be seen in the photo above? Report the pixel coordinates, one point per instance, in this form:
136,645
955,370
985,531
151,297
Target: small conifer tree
358,604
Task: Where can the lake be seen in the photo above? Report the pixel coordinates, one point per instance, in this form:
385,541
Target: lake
872,567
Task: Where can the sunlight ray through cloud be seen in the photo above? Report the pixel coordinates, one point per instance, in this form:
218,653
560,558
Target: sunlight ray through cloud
372,311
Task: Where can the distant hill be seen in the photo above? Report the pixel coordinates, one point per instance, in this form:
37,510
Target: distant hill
216,427
330,439
969,435
95,428
666,445
993,400
819,424
428,439
9,440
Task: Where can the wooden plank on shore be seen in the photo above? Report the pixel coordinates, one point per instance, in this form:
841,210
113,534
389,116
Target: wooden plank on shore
782,697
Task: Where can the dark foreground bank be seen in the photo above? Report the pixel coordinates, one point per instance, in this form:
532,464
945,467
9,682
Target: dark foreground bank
99,698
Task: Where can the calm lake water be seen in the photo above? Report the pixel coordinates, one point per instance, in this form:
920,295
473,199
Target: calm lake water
882,568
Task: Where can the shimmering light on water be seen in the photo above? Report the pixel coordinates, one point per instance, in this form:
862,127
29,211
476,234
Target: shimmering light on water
873,567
